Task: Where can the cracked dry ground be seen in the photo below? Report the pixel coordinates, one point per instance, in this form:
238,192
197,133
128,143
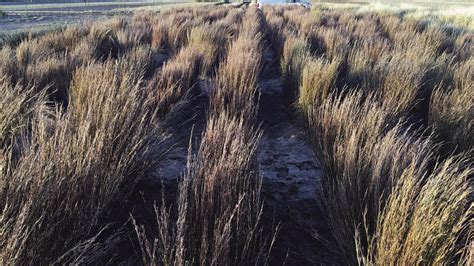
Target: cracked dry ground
288,168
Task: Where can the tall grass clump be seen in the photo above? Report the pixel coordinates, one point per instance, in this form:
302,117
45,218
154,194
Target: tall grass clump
174,83
235,85
451,114
401,83
334,42
296,52
216,219
317,82
101,43
362,60
160,35
8,65
212,42
215,14
253,24
363,152
426,220
234,16
177,33
18,109
171,31
388,196
57,199
38,64
276,27
295,16
218,204
52,76
463,46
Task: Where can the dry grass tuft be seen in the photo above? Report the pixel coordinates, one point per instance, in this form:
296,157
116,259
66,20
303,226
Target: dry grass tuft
275,30
8,65
219,206
296,52
363,158
18,109
403,80
78,165
335,42
383,180
425,216
216,219
318,80
211,40
235,87
173,85
451,112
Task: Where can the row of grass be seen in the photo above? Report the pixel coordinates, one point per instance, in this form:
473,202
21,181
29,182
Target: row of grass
85,117
218,212
388,197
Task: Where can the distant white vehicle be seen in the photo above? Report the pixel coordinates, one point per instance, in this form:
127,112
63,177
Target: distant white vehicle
271,2
304,3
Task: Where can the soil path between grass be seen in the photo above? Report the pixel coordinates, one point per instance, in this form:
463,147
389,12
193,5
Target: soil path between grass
289,170
287,166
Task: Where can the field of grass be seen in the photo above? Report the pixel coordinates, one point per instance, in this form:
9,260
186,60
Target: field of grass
88,4
454,13
90,114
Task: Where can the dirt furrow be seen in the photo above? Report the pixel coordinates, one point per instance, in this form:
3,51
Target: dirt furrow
287,165
289,170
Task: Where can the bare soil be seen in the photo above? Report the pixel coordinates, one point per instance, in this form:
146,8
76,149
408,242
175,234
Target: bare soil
39,20
40,16
288,168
